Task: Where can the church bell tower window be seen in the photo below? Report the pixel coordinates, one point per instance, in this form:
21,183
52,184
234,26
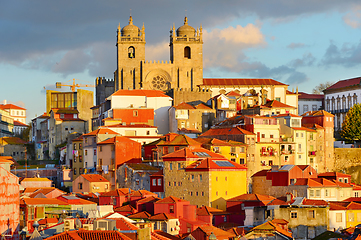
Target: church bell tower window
131,52
187,52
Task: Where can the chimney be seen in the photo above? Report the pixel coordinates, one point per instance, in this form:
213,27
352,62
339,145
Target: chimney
289,196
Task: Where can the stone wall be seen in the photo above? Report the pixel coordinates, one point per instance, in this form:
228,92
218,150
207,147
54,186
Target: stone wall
349,160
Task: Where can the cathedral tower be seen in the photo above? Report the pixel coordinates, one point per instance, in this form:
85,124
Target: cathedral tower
186,54
130,55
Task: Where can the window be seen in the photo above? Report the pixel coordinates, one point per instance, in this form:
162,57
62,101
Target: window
202,193
294,214
314,107
296,135
74,146
165,150
216,193
338,217
326,193
154,182
131,52
311,214
241,161
318,193
278,99
171,208
100,148
187,52
312,193
170,166
80,186
86,140
176,148
179,166
148,132
159,182
351,217
74,170
95,151
200,177
263,135
175,184
86,152
192,178
305,108
80,158
233,149
225,178
135,113
271,136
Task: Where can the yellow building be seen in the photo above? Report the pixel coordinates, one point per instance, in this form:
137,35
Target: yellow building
77,163
232,150
203,177
353,214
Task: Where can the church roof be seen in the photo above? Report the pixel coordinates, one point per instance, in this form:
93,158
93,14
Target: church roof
140,92
130,30
240,81
185,30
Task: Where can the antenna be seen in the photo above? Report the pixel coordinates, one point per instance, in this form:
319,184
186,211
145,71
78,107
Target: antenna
130,10
186,12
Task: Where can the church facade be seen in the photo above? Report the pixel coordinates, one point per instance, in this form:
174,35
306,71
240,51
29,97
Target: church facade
184,70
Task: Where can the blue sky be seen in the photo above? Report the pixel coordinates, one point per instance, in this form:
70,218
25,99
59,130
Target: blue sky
300,43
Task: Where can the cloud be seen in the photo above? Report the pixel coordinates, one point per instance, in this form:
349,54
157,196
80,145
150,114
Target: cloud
353,18
157,52
307,60
296,45
224,47
349,55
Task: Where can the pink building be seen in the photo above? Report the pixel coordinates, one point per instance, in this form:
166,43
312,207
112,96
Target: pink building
9,200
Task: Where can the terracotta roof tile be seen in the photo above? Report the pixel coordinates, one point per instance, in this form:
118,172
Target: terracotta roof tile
13,140
94,178
219,233
303,95
277,104
90,234
180,139
192,152
210,163
100,131
126,208
265,199
140,92
206,211
117,192
240,81
184,105
11,106
344,83
161,216
140,215
171,199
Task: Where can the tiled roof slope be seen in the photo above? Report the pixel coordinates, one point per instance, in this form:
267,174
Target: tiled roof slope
240,81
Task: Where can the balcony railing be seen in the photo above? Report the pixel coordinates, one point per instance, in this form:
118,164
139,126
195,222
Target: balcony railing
311,153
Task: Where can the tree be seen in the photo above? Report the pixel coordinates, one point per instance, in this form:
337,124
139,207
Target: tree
322,86
351,126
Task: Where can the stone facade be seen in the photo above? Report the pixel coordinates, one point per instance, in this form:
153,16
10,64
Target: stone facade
184,70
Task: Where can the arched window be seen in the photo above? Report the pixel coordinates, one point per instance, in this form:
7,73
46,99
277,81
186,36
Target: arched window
187,52
131,52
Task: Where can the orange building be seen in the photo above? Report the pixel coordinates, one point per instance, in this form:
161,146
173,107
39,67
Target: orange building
112,153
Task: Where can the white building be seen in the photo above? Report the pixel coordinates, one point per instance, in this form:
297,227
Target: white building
340,97
309,102
154,99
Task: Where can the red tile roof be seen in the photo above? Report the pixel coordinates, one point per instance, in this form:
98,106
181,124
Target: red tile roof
252,197
140,125
219,233
126,208
178,140
171,199
233,93
206,211
116,139
240,81
12,140
140,92
212,141
191,152
226,131
312,202
354,206
215,164
100,131
184,105
261,173
117,192
90,234
345,83
161,217
11,106
267,226
335,206
124,225
43,201
142,193
17,123
140,215
333,174
277,104
94,178
304,129
287,115
303,95
317,113
148,199
48,220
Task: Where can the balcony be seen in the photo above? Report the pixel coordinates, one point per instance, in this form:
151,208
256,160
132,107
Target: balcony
287,152
311,153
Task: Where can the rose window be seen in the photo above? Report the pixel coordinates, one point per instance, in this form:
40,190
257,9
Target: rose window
159,82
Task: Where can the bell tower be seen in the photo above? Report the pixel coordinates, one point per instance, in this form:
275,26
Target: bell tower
186,54
130,56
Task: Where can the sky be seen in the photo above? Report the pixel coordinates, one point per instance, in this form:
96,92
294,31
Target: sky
300,43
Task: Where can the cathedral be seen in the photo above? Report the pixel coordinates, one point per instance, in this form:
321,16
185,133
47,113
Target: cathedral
184,70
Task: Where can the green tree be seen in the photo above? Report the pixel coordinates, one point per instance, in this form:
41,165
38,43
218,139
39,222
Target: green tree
322,86
351,126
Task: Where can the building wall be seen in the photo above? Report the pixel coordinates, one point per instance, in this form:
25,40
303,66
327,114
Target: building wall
9,201
334,222
305,105
226,184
